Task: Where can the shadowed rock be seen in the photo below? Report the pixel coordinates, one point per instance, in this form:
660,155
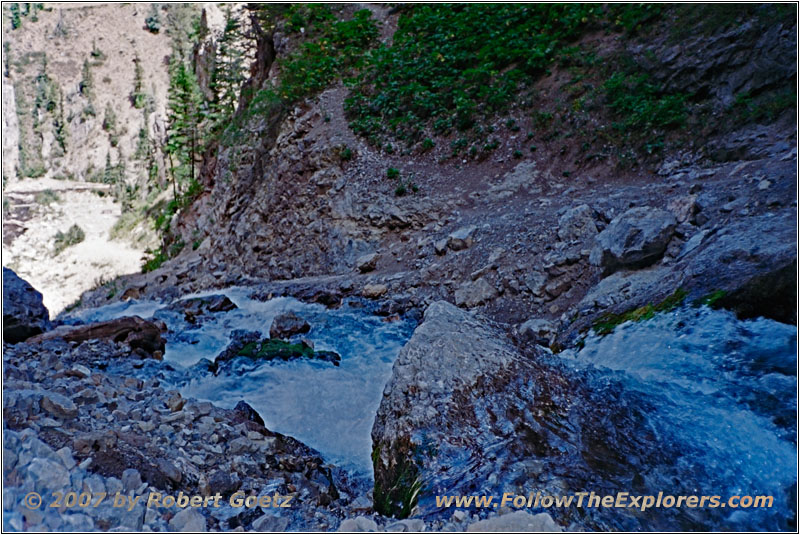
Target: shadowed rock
24,315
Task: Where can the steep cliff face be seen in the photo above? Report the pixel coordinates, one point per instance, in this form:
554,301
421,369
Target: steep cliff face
84,128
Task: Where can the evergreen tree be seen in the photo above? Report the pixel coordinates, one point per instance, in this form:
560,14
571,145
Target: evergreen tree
138,96
86,85
227,76
184,115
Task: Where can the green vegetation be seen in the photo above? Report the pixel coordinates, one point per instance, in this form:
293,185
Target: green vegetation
46,197
138,96
272,349
63,240
392,173
764,108
397,497
711,299
608,322
153,21
228,73
16,20
455,66
639,105
337,52
153,260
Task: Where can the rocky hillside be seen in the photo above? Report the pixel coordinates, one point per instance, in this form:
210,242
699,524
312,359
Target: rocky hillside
510,182
294,190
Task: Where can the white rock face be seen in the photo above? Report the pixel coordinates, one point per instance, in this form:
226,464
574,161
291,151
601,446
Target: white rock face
10,132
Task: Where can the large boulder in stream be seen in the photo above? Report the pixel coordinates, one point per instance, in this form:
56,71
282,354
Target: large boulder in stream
143,337
460,394
24,314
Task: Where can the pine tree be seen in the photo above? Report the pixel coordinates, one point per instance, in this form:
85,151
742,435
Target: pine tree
138,96
86,85
184,115
227,76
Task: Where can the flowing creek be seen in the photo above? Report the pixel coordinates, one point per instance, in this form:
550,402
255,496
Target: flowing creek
693,401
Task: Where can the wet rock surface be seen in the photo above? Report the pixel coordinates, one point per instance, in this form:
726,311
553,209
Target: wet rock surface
287,325
436,422
197,306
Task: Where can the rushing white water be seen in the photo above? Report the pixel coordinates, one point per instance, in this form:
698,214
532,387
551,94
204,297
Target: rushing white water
721,392
693,401
330,408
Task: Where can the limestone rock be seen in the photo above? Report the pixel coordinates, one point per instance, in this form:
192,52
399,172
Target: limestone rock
455,370
367,262
537,330
577,224
287,325
198,306
359,524
24,315
58,405
143,336
188,520
473,294
634,239
373,291
461,238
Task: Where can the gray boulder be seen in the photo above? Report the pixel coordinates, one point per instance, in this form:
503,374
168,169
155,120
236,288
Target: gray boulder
577,224
634,239
453,387
537,330
367,262
473,294
24,315
461,238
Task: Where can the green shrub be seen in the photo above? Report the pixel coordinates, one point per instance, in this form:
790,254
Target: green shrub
153,21
73,236
392,173
153,260
454,65
47,197
639,104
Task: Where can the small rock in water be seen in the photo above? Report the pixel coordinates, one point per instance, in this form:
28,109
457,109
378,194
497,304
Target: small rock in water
287,325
